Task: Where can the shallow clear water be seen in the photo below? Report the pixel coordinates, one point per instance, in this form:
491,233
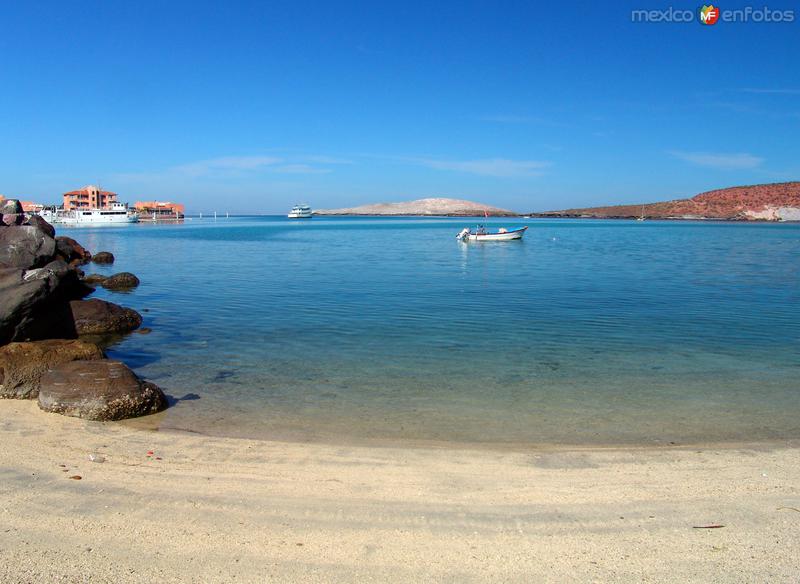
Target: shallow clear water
585,332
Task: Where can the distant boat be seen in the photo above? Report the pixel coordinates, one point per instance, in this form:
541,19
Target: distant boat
641,217
480,234
300,212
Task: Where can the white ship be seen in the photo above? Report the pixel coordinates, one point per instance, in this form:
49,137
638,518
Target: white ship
300,212
116,214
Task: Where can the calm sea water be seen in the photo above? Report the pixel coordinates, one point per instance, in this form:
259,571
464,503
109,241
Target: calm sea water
585,332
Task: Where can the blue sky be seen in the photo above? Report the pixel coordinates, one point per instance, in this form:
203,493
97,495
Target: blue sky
254,106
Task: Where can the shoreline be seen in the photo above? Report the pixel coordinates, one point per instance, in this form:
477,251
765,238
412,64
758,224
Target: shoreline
211,509
149,424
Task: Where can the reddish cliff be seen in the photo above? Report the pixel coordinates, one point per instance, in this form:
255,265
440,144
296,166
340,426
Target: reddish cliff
756,202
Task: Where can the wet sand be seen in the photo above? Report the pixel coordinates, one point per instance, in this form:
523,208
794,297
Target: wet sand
203,509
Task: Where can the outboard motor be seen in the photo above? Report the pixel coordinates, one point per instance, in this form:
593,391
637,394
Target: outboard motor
463,234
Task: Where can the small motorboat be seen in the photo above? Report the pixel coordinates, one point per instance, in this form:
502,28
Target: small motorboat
480,234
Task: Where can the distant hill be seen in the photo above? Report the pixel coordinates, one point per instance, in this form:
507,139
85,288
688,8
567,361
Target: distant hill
767,202
434,206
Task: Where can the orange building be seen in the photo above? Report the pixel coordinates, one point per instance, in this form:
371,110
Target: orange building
159,210
31,207
89,197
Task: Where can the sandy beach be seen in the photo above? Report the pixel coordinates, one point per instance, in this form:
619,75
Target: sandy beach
204,509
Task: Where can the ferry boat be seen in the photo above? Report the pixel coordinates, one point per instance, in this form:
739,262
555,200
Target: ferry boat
116,214
480,234
300,212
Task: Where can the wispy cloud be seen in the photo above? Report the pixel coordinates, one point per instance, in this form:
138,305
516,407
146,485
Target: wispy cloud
740,161
299,169
232,167
499,167
327,160
771,91
226,164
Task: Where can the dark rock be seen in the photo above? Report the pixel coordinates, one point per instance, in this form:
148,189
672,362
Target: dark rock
10,207
22,364
121,281
41,224
144,330
11,220
11,212
69,285
25,246
92,279
98,317
103,257
20,299
98,390
34,304
71,251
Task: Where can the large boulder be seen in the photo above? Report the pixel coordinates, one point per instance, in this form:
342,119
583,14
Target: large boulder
121,281
22,364
25,246
11,212
20,299
103,257
98,390
71,251
41,224
98,317
31,301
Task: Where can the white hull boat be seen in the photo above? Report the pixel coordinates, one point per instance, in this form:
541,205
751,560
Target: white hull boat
116,215
482,235
300,212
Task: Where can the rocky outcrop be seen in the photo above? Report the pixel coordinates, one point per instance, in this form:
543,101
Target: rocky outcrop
20,299
121,281
11,212
41,224
103,257
23,364
40,298
30,298
767,202
40,291
432,206
71,251
774,213
25,246
98,317
98,390
10,207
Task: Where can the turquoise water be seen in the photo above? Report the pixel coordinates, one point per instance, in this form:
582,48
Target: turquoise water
585,332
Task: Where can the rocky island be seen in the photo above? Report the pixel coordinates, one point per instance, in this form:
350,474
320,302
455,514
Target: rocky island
764,202
425,207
